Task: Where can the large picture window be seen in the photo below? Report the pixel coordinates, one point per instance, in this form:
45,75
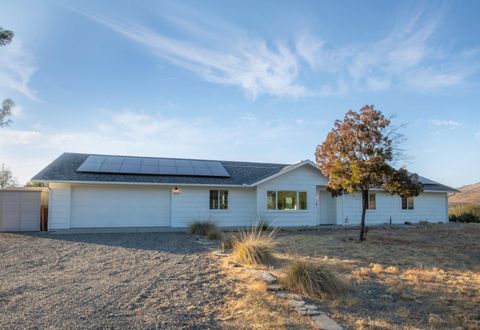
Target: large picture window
218,199
407,202
286,200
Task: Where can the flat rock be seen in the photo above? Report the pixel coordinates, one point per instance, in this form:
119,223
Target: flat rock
310,306
294,296
310,312
297,303
281,295
274,287
267,277
323,322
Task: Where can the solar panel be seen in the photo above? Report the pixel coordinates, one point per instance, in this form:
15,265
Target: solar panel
167,170
92,163
217,168
185,170
166,162
152,166
131,169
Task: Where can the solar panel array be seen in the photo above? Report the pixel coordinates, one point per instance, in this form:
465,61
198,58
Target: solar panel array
152,166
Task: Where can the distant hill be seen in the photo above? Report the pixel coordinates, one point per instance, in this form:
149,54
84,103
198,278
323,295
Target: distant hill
468,195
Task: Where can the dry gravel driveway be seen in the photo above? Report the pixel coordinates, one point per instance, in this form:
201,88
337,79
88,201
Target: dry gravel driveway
134,280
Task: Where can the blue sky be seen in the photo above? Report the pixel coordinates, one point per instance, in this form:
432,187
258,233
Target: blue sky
244,80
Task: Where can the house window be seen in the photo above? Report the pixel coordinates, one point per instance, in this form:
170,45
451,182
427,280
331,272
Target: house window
286,200
271,200
218,199
372,201
302,197
407,202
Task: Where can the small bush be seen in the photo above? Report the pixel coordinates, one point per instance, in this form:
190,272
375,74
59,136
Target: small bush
214,235
202,228
255,247
464,208
467,217
228,242
313,280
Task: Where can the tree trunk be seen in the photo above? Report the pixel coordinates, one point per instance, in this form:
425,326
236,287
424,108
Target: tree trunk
364,211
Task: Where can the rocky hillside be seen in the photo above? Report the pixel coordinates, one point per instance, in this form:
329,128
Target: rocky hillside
468,195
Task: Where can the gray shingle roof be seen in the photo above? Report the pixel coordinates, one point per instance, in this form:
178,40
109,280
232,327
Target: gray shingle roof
431,185
241,173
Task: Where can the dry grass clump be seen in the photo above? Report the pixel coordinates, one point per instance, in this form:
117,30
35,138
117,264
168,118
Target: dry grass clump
255,247
313,280
214,235
228,242
202,228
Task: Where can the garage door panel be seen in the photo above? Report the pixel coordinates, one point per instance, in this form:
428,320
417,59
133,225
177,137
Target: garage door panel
120,207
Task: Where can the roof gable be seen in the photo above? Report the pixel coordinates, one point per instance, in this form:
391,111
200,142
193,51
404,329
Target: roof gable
288,169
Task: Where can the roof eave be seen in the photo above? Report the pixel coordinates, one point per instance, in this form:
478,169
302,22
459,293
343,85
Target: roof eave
144,183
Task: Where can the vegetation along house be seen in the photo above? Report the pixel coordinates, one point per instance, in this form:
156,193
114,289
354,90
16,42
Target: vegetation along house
95,191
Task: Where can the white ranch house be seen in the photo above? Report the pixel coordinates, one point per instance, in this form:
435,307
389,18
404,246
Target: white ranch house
100,191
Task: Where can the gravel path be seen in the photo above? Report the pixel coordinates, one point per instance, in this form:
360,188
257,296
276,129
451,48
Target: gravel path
134,280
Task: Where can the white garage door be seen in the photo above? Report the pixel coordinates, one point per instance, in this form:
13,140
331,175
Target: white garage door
120,207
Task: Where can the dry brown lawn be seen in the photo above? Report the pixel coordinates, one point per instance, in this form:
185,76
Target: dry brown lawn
251,306
401,277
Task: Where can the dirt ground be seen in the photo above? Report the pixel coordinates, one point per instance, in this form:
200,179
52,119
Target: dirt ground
155,280
401,277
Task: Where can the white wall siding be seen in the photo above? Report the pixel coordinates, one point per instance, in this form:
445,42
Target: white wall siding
427,206
59,206
304,178
193,203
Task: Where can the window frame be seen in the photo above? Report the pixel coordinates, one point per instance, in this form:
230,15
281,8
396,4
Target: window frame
408,206
369,206
218,193
276,193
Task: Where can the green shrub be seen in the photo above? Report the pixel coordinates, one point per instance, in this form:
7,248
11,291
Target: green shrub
202,228
313,280
464,217
464,213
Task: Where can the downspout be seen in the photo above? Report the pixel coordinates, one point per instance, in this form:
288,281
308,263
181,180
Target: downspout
343,207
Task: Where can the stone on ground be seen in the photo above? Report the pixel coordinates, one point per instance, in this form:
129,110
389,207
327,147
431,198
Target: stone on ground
323,322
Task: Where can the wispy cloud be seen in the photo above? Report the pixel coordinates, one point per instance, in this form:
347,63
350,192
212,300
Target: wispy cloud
250,64
404,58
16,69
443,122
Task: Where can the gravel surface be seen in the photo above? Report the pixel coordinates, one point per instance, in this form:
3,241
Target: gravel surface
134,280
